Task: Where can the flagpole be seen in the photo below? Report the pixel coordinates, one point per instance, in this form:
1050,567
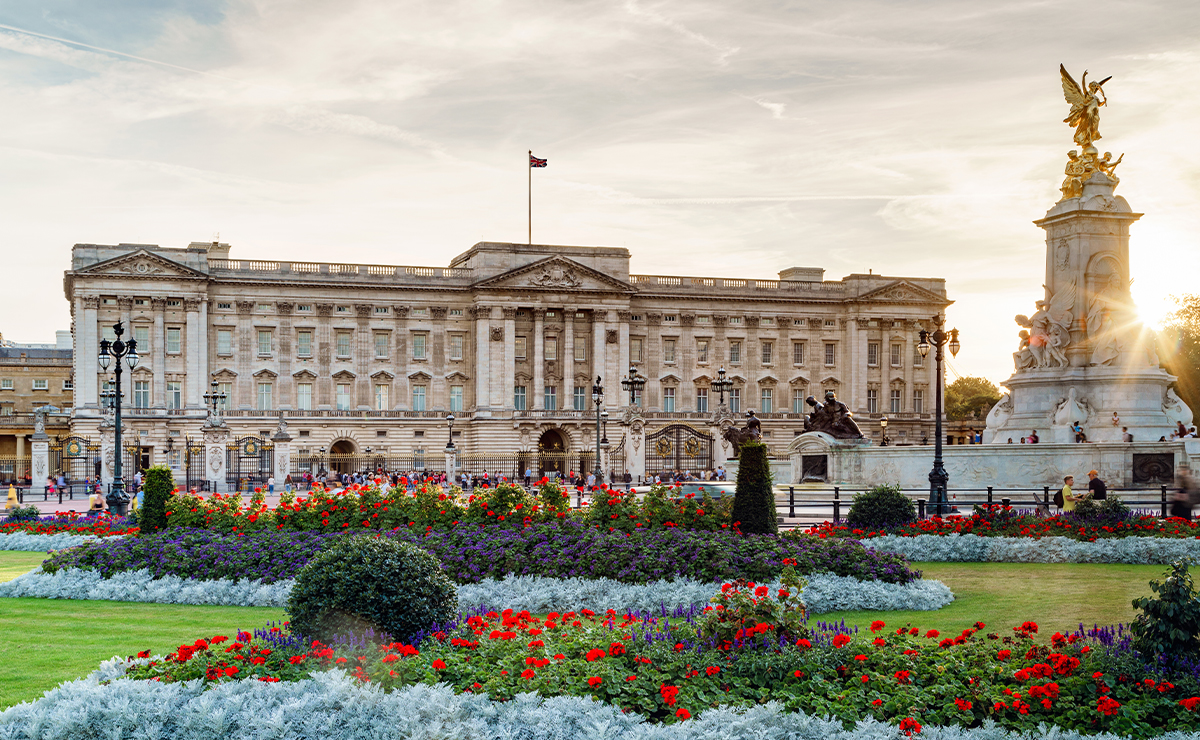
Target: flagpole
529,199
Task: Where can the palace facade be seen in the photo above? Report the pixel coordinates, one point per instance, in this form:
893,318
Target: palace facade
368,360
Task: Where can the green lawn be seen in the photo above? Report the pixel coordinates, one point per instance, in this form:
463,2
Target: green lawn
47,642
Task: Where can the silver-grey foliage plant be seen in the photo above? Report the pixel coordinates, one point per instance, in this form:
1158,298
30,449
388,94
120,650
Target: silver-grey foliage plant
973,548
333,706
824,592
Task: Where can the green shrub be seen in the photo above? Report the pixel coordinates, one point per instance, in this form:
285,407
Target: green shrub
743,609
1110,511
754,498
157,487
614,508
882,507
368,582
23,514
1168,625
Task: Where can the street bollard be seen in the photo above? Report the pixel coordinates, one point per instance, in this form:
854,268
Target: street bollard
1046,499
989,495
837,504
791,502
920,508
1164,502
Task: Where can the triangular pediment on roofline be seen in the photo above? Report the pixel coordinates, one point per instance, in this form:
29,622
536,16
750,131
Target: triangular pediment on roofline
555,274
901,291
142,263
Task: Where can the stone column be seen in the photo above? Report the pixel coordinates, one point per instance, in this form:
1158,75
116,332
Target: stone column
126,304
509,370
599,352
196,339
204,377
612,361
623,318
451,459
20,448
568,359
439,389
215,439
364,352
245,353
285,392
283,457
539,360
854,360
158,342
87,391
324,340
483,358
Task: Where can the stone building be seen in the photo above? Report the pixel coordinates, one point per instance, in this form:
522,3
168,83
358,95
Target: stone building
31,376
368,360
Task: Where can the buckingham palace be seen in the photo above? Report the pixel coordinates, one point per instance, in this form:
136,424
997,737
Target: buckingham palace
355,363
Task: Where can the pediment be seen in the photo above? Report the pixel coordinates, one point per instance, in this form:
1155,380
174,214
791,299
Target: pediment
830,380
557,274
901,291
457,376
701,380
767,380
266,373
382,375
799,380
304,375
224,374
898,380
668,378
142,264
344,375
426,377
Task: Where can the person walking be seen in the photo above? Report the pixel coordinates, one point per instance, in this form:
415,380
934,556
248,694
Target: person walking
1181,499
1069,497
1097,488
271,485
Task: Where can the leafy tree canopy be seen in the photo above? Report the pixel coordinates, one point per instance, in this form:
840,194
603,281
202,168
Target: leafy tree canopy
1179,347
970,398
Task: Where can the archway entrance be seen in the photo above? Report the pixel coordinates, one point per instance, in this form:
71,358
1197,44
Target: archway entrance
552,452
342,456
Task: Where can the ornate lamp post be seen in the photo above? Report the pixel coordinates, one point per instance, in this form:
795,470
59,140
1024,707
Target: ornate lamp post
450,439
214,399
939,338
634,384
721,385
598,398
883,426
117,350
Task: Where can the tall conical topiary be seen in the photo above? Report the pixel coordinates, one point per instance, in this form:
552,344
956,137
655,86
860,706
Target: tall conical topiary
157,487
754,499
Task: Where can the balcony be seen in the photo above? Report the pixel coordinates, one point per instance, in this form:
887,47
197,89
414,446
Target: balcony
327,271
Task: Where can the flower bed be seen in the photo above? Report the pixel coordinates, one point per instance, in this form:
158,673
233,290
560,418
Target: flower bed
26,542
824,593
656,668
429,506
71,523
976,549
470,554
1008,522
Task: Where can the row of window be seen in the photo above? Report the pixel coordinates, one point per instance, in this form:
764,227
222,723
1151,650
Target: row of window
343,397
36,384
766,399
897,355
895,401
141,334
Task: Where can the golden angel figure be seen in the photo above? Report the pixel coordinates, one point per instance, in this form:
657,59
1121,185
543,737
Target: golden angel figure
1085,101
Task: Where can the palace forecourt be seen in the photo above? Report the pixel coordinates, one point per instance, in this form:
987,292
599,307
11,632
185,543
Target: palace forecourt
363,363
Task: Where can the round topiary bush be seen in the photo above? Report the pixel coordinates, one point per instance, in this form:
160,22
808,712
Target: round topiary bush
369,582
754,498
882,507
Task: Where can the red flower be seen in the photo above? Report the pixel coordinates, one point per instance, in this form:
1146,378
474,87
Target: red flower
963,706
595,654
803,644
527,674
932,634
230,670
712,670
910,726
595,681
682,713
438,665
877,625
841,641
1107,706
878,702
1004,655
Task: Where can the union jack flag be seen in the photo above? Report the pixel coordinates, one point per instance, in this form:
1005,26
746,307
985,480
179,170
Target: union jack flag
535,162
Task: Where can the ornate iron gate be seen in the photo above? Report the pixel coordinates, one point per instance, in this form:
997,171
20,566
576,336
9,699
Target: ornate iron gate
193,462
249,462
75,458
678,447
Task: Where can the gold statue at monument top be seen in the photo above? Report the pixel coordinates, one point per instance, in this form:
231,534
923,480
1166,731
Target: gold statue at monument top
1085,101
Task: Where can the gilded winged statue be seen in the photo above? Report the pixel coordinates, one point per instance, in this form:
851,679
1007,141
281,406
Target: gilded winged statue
1085,101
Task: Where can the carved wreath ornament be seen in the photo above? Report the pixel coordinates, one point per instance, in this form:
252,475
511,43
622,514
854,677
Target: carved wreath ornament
215,460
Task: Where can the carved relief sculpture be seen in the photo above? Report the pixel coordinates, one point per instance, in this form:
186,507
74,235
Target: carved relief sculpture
832,417
1049,332
555,276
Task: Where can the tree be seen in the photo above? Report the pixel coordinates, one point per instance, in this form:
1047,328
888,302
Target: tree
970,398
1179,347
157,488
754,497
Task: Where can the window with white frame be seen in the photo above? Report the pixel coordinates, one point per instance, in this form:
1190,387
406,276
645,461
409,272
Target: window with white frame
141,335
735,353
668,399
765,400
418,398
768,349
343,344
701,350
519,348
896,401
174,394
918,401
872,353
456,346
174,340
264,397
550,348
830,354
735,399
456,398
550,397
797,353
897,354
41,384
418,346
383,393
304,396
382,339
6,384
519,397
579,398
343,397
635,349
304,343
797,400
702,400
264,342
224,342
225,390
68,384
668,350
872,401
580,350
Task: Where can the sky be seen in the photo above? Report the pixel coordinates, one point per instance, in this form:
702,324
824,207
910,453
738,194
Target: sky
709,138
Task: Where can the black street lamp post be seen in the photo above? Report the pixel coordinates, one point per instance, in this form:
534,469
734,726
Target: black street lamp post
883,433
634,384
598,399
939,339
721,385
117,498
450,439
215,399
